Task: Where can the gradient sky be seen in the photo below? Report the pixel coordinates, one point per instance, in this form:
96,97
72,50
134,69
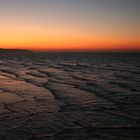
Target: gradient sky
70,24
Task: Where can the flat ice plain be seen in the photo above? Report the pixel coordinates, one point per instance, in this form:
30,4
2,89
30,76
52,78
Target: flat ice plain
70,97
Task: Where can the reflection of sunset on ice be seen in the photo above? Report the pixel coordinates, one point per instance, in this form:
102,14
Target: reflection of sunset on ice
59,95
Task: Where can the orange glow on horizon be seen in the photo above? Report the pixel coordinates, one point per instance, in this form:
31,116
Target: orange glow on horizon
69,26
56,38
97,48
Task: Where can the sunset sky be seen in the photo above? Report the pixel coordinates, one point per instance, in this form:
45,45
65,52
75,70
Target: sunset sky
44,25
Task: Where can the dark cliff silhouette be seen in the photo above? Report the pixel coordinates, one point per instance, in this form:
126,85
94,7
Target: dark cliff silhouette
14,52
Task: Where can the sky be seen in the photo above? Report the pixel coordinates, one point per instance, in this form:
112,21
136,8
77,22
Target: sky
56,25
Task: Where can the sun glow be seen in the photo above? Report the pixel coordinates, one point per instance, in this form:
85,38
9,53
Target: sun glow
64,31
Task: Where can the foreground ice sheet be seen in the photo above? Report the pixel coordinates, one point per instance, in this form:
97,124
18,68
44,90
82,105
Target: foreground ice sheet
70,97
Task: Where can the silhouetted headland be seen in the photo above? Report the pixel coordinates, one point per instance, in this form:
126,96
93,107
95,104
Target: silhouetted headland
14,52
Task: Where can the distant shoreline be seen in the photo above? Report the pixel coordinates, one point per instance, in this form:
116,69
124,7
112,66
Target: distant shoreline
67,51
14,50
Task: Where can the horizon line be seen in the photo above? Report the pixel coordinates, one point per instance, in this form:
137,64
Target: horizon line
77,50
